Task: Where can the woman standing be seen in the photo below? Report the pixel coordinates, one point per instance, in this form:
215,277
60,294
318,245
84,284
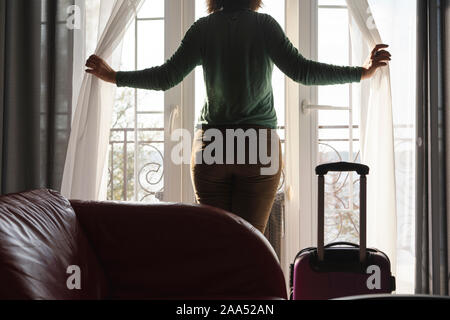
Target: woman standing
237,47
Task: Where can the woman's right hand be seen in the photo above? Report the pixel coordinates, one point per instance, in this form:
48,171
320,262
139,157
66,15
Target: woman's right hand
99,68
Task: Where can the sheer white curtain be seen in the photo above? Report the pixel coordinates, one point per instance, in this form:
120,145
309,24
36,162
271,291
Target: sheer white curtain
397,21
84,171
377,135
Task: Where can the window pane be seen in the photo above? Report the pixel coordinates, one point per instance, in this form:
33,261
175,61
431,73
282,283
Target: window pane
333,36
150,53
123,114
333,47
332,117
121,171
150,121
150,100
336,142
334,134
152,9
334,95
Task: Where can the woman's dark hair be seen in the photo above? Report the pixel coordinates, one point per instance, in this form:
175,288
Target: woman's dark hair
217,5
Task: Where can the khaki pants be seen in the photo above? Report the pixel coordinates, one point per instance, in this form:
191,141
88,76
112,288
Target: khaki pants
238,188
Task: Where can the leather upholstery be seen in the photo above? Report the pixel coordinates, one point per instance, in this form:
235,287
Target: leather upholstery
39,239
131,251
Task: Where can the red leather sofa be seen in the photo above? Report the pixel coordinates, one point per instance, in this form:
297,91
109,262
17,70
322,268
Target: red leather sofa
130,251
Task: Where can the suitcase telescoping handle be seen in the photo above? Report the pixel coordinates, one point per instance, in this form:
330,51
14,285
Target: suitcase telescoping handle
363,171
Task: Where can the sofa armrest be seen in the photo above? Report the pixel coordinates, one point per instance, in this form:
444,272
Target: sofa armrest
173,251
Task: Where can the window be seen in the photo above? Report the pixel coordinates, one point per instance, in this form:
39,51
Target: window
136,157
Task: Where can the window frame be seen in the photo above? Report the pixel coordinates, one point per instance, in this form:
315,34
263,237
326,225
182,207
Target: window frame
301,217
179,103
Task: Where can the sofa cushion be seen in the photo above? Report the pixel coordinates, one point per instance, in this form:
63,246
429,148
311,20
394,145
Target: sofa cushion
40,239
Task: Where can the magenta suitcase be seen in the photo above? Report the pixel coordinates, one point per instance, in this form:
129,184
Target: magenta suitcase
340,269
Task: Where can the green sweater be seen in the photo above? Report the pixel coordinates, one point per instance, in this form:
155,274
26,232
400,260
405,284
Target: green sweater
237,49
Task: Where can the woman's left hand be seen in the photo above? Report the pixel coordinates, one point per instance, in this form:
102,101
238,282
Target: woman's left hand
377,59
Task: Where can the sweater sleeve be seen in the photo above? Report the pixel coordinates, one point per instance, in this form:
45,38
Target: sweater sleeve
171,73
287,58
